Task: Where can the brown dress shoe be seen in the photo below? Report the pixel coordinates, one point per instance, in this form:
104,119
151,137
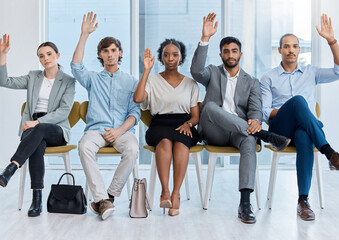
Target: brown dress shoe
335,160
304,211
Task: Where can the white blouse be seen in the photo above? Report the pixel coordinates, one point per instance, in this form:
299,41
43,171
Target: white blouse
44,93
164,99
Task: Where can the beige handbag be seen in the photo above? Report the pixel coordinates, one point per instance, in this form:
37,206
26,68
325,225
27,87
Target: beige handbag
139,204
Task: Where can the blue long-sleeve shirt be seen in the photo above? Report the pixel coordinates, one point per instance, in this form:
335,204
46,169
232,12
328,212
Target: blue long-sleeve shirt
278,86
110,97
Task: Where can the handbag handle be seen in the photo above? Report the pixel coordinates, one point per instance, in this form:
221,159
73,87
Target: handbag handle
67,174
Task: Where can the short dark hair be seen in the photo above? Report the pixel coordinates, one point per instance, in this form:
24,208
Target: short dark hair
287,35
178,44
228,40
105,43
48,44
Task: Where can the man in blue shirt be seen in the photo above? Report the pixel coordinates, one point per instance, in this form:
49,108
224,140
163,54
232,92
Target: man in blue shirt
288,93
111,117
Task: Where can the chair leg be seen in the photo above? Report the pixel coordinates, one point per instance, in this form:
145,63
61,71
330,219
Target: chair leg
319,180
210,194
257,187
23,172
152,180
187,186
209,181
67,162
197,159
273,175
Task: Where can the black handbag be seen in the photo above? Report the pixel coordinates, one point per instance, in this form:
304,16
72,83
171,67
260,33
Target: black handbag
65,198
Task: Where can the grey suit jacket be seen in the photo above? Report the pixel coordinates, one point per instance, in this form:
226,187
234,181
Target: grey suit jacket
247,97
60,100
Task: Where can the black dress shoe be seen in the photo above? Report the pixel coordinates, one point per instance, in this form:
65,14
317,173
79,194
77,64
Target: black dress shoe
245,213
278,142
334,160
7,173
36,206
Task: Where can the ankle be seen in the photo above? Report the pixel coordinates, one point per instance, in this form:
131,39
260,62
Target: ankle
175,198
165,194
16,163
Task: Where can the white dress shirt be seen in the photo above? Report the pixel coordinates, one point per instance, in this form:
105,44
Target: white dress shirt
44,93
228,103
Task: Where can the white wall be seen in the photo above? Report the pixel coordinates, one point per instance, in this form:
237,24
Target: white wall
20,19
330,92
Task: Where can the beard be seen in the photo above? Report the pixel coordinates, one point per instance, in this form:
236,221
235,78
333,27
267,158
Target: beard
236,62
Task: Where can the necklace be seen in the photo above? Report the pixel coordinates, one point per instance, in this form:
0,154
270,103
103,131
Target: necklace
49,82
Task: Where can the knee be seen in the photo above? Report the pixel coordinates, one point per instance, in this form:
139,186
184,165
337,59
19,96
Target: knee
41,127
132,149
299,101
210,105
85,146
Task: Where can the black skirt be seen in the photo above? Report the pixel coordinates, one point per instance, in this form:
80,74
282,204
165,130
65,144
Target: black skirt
164,125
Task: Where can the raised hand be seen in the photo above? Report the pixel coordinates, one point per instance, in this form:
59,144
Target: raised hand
148,59
88,21
208,30
4,44
326,30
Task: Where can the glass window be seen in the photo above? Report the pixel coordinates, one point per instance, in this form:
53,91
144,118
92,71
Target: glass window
258,24
64,28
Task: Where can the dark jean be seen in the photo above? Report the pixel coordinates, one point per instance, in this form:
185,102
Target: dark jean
32,146
295,120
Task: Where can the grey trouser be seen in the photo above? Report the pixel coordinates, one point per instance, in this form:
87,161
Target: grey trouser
221,128
89,145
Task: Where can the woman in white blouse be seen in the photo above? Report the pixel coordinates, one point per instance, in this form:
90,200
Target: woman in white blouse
44,121
173,101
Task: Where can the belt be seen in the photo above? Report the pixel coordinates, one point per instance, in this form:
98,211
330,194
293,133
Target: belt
37,115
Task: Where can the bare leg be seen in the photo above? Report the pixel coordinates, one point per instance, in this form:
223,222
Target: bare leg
163,156
180,162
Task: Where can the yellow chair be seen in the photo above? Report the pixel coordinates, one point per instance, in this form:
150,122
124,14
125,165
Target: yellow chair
106,152
146,118
60,151
291,150
216,151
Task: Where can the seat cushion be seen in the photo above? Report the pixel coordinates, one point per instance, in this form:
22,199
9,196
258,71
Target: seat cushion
60,149
194,149
219,149
289,149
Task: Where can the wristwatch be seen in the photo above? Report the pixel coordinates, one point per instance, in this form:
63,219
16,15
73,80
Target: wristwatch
189,124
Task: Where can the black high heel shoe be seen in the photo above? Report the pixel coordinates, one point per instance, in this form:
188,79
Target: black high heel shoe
36,206
7,173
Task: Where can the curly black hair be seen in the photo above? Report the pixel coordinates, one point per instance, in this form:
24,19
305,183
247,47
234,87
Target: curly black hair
178,44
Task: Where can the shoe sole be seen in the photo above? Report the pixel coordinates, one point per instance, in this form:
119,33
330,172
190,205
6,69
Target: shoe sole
305,219
247,221
34,215
107,213
90,207
285,146
166,204
2,183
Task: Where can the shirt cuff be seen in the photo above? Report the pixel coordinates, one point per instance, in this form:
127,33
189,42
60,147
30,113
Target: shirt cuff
79,65
201,43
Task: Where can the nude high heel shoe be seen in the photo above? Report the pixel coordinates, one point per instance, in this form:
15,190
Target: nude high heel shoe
174,211
166,203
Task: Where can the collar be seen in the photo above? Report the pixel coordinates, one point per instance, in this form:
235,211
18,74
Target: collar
104,71
281,70
229,76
